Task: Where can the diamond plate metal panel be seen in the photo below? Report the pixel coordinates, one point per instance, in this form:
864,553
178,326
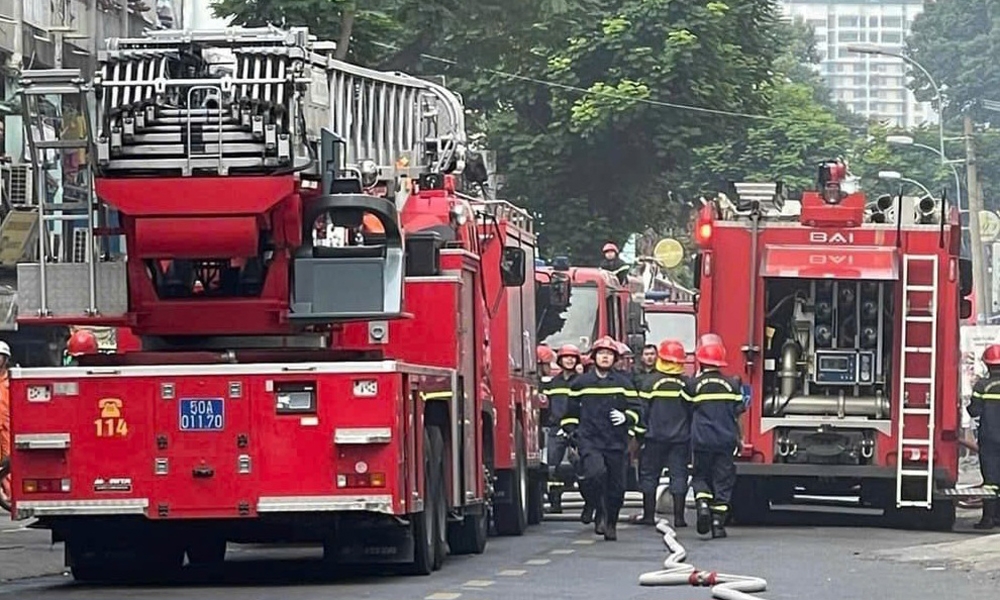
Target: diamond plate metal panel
67,287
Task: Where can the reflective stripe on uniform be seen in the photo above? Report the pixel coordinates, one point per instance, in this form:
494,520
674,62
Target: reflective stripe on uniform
719,508
668,394
985,396
624,267
569,421
436,395
633,414
703,496
604,392
549,392
717,396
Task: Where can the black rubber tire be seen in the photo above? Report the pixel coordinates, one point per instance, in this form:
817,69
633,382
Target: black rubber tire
440,501
470,535
4,472
148,563
208,552
751,502
512,517
422,523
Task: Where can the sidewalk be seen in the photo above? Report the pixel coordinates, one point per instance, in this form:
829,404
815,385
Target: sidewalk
26,552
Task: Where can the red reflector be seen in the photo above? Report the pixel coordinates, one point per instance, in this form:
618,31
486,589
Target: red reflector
363,480
45,486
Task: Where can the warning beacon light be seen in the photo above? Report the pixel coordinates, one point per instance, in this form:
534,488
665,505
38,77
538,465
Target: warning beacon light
703,226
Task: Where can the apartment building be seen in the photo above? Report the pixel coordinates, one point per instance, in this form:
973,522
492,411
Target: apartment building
871,85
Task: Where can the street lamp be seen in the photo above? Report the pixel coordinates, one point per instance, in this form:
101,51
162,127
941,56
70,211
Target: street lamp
871,49
897,176
905,140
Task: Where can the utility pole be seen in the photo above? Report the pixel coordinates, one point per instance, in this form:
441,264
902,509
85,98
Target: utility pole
979,275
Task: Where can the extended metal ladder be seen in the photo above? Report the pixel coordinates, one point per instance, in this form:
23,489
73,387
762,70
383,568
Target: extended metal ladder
58,132
919,321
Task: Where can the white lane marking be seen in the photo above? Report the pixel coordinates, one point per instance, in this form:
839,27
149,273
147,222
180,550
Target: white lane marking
443,596
562,551
583,542
512,573
537,562
479,583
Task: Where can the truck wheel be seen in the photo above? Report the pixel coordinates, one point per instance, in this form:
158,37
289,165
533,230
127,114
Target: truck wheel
536,499
422,523
751,502
5,483
206,552
511,517
469,535
440,506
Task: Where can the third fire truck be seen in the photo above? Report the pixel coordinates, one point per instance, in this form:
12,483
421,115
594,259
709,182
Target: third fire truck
337,342
842,317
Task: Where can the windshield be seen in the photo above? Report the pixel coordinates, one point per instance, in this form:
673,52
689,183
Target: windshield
576,324
672,326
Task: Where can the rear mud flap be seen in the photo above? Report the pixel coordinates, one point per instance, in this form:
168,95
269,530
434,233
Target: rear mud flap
381,545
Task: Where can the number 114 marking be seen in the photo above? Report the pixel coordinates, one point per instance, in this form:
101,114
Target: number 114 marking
111,427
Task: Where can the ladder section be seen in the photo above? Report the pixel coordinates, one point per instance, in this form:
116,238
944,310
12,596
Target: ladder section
256,100
67,282
917,382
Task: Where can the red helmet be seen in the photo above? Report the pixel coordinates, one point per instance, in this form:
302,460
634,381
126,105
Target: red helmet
606,343
711,351
544,354
83,341
609,247
568,350
671,351
991,355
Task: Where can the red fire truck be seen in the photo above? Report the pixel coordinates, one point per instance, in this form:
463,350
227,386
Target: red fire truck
349,390
838,316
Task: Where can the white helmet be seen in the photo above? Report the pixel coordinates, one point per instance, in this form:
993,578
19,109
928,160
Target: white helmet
4,349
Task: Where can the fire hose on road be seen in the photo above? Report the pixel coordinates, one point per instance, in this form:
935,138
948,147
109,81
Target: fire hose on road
676,572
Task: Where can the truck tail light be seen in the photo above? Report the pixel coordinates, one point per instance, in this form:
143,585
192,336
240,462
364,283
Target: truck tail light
361,480
45,486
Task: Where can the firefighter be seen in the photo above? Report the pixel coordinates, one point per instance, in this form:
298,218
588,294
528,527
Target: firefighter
83,341
602,413
668,432
717,403
985,406
557,391
544,357
4,415
613,264
646,373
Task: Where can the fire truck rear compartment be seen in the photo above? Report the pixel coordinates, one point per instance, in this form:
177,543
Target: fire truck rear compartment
827,369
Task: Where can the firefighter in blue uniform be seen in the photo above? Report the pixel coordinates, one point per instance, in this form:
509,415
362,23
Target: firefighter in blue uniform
556,390
667,422
985,406
603,412
613,264
717,403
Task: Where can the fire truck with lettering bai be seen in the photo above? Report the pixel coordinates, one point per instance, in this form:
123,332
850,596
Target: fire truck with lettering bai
842,318
351,390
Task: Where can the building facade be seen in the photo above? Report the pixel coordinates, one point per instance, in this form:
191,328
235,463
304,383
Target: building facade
870,85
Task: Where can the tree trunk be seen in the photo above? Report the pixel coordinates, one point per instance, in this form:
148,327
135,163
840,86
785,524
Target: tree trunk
346,28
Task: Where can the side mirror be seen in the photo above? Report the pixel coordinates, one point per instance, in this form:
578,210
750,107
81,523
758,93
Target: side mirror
964,277
696,280
559,289
964,308
512,266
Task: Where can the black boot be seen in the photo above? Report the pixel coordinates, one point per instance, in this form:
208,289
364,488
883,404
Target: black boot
718,528
679,510
704,517
555,501
648,510
611,527
989,516
600,520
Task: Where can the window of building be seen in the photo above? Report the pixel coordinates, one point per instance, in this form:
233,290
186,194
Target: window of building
873,22
847,36
892,22
848,21
892,37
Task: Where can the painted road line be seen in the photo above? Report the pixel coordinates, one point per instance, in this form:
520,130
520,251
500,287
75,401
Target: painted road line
583,542
443,596
478,583
512,573
537,562
562,551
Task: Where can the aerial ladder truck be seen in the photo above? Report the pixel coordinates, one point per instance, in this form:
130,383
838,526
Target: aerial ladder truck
337,341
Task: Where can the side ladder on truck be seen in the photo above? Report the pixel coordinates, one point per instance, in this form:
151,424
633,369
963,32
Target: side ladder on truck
70,280
918,336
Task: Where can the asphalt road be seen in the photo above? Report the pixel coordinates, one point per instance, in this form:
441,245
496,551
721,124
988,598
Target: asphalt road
799,559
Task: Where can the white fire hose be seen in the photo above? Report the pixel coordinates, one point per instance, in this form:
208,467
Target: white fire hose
676,572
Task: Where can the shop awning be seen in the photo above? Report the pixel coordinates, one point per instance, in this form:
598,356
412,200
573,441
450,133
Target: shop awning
831,262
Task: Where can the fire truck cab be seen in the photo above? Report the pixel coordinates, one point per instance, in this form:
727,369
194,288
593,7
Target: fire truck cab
838,315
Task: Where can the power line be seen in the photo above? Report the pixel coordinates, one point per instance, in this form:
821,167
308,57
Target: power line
584,91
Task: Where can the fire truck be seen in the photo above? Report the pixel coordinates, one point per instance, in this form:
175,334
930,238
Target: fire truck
841,317
349,390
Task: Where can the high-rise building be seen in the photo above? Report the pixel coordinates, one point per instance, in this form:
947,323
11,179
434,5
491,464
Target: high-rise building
869,84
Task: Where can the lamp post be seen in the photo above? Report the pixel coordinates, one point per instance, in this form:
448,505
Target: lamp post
905,140
897,176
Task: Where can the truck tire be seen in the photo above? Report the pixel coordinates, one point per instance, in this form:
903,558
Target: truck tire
536,498
4,474
206,552
422,523
512,517
440,500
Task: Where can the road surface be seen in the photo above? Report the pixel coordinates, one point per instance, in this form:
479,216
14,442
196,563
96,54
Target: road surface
558,560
